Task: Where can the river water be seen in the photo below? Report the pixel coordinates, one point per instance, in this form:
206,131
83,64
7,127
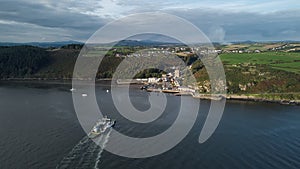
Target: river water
39,130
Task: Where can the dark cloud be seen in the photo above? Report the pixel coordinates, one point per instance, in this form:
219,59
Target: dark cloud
39,14
283,25
42,18
44,21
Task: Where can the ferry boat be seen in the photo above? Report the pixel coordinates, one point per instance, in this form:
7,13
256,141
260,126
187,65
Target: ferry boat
101,126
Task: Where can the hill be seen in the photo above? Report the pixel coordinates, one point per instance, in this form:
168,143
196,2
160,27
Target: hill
266,72
46,63
41,44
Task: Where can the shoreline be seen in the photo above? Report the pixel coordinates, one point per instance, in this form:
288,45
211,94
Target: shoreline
237,97
262,99
49,81
248,98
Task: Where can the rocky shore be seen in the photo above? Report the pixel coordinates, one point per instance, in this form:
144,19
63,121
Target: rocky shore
248,98
262,99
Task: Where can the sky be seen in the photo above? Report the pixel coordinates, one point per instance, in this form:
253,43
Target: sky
221,21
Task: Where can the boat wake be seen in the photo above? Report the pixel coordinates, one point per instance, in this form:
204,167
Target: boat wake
103,144
86,154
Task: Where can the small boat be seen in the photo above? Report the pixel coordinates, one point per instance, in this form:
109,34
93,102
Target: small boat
84,95
285,102
170,91
144,87
101,126
72,89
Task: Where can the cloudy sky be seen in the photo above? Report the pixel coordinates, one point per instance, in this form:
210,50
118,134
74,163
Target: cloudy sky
222,21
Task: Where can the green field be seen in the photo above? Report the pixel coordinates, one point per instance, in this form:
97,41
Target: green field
291,67
289,62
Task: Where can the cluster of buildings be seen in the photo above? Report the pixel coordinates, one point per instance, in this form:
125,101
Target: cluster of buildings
168,81
242,51
171,82
180,51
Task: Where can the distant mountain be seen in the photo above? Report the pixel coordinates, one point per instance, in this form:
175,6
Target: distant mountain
65,43
156,41
132,43
144,43
41,44
273,41
244,42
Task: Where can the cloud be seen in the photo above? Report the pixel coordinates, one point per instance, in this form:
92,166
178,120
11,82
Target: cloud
256,6
22,32
245,25
44,16
23,20
216,34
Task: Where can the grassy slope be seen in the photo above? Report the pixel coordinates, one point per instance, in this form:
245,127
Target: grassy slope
282,82
289,62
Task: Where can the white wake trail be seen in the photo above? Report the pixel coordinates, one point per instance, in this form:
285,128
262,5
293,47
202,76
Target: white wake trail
72,154
102,143
85,153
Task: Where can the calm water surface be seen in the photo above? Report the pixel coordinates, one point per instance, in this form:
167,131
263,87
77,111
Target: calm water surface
39,129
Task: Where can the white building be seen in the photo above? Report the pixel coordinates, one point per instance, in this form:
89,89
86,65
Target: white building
176,73
152,80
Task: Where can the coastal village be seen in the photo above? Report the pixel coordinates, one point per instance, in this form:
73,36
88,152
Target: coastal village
173,83
254,71
173,80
